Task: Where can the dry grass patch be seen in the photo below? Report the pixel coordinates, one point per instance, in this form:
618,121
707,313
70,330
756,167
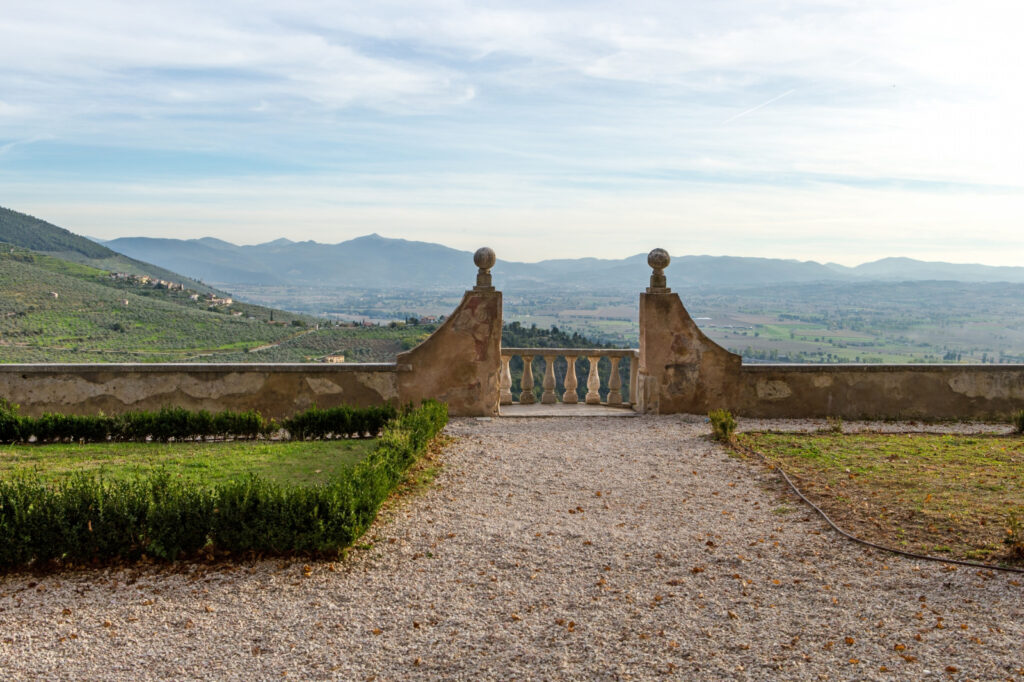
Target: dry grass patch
947,495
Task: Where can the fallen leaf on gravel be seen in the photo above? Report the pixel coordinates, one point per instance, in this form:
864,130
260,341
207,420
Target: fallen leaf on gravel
899,647
107,623
854,661
732,615
828,645
697,569
66,612
515,616
908,658
918,636
849,640
208,608
377,631
418,661
952,669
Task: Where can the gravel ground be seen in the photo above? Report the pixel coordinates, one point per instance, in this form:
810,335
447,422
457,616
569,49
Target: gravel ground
547,549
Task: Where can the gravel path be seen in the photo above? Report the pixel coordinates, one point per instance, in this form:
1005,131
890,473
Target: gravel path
547,549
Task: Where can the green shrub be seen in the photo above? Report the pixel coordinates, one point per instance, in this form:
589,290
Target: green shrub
337,422
10,422
85,518
722,425
1014,539
1018,421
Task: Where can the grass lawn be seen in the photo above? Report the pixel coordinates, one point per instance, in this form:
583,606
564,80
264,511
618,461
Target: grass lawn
933,494
284,462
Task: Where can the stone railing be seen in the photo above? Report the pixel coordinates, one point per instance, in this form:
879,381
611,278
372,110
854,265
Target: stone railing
569,381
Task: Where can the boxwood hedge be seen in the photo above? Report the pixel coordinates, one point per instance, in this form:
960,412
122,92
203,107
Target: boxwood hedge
87,518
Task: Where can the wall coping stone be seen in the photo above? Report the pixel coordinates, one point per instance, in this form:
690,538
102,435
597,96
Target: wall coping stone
886,367
193,367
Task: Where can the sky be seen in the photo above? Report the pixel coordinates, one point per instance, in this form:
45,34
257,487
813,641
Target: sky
832,131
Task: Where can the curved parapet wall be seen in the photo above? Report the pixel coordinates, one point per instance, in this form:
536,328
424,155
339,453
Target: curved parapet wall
681,369
275,390
460,363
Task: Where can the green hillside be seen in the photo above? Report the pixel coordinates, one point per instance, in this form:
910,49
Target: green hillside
52,310
28,232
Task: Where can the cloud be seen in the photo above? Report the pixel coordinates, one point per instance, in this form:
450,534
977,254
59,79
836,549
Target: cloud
738,116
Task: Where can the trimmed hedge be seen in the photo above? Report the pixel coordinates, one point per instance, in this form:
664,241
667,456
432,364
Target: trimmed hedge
177,423
85,518
334,422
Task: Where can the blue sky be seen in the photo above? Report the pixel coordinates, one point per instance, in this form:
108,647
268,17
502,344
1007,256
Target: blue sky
842,131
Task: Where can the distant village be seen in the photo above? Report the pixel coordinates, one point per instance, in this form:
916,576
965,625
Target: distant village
146,280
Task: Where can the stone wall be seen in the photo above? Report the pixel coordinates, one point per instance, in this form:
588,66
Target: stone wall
458,364
275,390
681,370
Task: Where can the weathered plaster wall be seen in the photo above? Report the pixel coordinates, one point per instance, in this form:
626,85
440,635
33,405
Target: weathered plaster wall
903,391
681,370
275,390
459,363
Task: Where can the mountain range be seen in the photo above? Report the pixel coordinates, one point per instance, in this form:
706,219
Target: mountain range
376,262
373,262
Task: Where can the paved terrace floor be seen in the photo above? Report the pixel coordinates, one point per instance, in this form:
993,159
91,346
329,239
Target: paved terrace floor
547,549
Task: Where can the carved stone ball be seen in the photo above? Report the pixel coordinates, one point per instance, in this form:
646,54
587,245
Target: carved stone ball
484,258
658,259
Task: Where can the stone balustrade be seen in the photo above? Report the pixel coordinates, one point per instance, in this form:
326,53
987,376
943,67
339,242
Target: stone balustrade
568,379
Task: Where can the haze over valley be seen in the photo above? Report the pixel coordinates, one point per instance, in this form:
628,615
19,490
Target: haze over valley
891,310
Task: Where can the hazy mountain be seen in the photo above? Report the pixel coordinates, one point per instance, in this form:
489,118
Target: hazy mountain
378,262
908,269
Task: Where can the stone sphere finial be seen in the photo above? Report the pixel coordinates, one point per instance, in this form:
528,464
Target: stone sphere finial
484,258
658,259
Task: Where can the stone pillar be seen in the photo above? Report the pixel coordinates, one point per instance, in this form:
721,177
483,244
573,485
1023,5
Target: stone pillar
460,363
681,370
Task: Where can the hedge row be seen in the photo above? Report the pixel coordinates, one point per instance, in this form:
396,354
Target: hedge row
317,423
86,518
180,424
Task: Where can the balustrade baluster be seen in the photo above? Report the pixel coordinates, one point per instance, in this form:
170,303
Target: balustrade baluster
634,364
570,397
593,382
548,397
505,381
527,397
614,383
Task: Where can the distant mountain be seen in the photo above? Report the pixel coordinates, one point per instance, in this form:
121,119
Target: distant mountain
377,262
908,269
28,232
